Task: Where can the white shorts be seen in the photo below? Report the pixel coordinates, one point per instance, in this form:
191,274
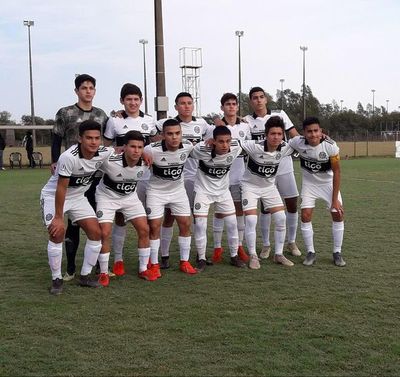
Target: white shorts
286,184
236,193
130,206
156,201
310,193
189,187
76,208
269,197
222,203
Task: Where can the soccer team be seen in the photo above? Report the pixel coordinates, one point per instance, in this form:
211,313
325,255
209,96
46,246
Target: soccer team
130,169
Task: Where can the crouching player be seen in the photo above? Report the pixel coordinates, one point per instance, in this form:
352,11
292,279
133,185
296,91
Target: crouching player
117,192
211,185
64,194
319,159
258,182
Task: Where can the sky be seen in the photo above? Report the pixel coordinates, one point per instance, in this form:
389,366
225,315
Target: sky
353,47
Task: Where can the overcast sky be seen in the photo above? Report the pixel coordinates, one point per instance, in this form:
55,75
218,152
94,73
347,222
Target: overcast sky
353,47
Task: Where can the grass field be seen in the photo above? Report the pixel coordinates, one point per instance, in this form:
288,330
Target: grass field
316,321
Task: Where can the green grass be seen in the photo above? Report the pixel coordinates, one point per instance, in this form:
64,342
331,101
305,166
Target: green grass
318,321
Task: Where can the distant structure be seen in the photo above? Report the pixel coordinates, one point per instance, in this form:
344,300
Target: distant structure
190,61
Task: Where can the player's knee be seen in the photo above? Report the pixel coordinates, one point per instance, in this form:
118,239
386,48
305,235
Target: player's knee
306,217
94,233
291,204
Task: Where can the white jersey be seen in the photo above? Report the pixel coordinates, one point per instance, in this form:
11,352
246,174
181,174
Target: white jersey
212,176
257,129
195,131
167,167
119,179
116,128
315,161
262,165
80,171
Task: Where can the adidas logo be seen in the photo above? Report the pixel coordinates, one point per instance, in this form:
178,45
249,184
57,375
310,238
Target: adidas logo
80,169
119,175
163,159
261,156
125,126
305,152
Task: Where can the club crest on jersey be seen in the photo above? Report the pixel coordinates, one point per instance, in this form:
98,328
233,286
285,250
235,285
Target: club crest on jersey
182,156
99,214
145,126
241,133
229,159
49,216
98,164
196,129
322,155
197,206
140,174
278,156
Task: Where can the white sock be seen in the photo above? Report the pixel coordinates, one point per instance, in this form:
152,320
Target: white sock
240,226
184,247
200,224
144,254
337,233
308,236
154,246
250,233
218,228
280,231
118,240
54,252
265,224
103,262
166,237
232,234
90,255
292,221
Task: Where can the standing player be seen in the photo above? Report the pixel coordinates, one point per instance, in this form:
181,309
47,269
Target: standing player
117,192
239,131
132,119
65,132
285,179
319,158
193,129
258,182
166,188
211,186
64,194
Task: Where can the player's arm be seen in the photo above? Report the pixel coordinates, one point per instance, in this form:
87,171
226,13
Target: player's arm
57,139
57,228
335,164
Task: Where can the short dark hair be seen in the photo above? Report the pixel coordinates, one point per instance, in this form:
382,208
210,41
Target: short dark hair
274,121
170,122
256,89
82,78
133,135
128,89
221,130
310,120
89,125
182,94
227,96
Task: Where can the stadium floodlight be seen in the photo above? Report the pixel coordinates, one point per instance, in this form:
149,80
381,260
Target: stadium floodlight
239,34
282,81
144,42
304,49
373,101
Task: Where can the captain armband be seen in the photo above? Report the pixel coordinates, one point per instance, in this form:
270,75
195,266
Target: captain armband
335,158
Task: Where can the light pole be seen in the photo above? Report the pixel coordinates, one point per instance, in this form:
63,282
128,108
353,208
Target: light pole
304,49
373,101
144,42
239,34
387,106
29,23
341,105
282,81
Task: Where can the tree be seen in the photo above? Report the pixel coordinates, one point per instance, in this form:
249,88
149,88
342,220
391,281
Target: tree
5,118
27,120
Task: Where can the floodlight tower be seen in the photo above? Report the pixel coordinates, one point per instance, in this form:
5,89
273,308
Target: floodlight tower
190,62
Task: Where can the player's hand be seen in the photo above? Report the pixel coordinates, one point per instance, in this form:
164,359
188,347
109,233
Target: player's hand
53,168
209,142
57,228
117,114
337,207
119,149
147,159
